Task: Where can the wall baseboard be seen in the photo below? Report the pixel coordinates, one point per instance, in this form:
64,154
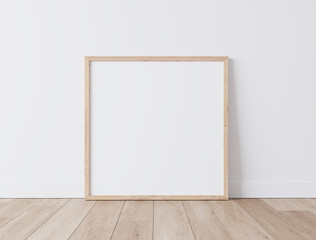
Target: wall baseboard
237,189
41,190
273,189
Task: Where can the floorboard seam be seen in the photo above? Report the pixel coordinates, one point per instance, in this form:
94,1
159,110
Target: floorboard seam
153,226
47,219
21,213
262,227
117,220
188,220
82,220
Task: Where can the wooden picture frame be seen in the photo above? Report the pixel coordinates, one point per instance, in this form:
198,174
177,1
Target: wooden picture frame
90,59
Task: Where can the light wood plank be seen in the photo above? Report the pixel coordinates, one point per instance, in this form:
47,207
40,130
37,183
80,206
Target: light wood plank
64,222
237,222
278,224
135,222
4,201
209,220
303,222
171,222
304,204
304,217
100,221
294,204
27,222
15,208
205,223
283,204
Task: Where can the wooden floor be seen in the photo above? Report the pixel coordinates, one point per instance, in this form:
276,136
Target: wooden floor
288,219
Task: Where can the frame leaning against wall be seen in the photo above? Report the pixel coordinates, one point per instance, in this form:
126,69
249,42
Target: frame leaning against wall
90,59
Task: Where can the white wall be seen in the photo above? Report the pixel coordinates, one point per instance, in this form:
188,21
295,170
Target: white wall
272,46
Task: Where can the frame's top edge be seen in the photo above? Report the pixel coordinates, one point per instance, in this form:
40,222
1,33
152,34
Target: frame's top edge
156,58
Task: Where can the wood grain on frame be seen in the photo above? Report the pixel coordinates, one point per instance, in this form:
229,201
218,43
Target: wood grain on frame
87,127
156,197
89,59
155,59
226,128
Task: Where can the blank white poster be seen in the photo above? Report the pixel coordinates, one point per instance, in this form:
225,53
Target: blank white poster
156,128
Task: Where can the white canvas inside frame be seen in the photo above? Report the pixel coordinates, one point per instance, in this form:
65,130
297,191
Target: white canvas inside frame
156,128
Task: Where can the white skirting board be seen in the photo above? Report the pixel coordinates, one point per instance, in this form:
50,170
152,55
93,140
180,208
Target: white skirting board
273,189
237,189
41,189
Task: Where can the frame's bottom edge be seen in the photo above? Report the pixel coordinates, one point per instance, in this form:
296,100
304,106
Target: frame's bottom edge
156,197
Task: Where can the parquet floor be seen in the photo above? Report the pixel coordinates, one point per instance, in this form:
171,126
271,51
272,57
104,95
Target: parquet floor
242,219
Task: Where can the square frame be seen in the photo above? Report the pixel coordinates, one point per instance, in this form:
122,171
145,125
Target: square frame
88,60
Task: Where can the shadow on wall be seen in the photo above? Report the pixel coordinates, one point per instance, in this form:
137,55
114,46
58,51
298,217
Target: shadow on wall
234,154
